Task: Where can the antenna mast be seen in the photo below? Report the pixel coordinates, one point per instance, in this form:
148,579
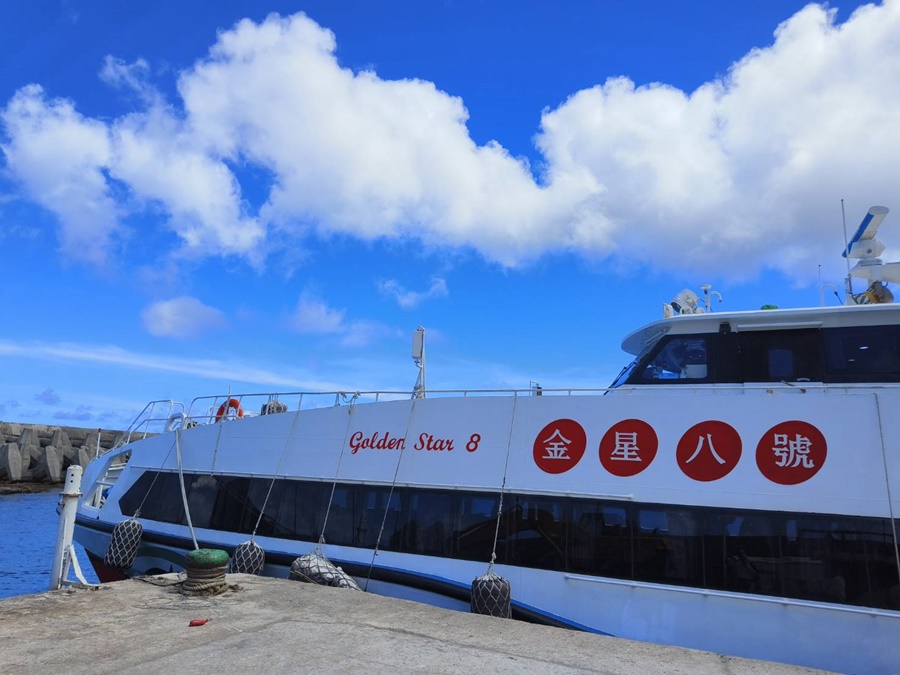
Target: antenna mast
418,356
848,299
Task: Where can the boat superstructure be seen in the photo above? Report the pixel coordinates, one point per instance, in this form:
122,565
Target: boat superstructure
737,489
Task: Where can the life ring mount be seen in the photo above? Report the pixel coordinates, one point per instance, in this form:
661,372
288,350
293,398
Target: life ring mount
229,405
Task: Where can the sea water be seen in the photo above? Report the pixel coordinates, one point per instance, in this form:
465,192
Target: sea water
28,528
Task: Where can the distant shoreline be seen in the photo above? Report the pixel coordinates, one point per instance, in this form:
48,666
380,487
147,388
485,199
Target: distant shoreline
7,488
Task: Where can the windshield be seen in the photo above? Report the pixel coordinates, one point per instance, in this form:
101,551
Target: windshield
624,374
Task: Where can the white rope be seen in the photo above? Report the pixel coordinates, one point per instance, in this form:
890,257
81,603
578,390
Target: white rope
184,499
387,505
512,421
287,441
887,482
337,472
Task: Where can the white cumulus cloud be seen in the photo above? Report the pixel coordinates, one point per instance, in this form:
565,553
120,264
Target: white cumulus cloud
181,317
744,171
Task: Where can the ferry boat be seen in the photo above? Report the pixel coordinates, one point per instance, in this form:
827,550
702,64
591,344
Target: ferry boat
736,489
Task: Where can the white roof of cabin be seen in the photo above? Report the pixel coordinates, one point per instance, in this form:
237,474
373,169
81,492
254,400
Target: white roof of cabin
767,319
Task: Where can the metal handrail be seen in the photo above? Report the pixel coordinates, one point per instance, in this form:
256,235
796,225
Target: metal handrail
344,397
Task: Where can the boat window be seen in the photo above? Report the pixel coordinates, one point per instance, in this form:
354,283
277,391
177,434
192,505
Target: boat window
828,558
668,546
231,502
426,527
781,356
477,522
600,540
157,495
381,507
862,354
533,532
677,359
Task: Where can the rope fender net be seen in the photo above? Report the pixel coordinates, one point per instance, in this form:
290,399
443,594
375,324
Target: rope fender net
315,568
123,544
491,595
248,558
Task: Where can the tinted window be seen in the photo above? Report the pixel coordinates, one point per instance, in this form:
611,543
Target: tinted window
828,558
860,354
676,359
476,527
781,355
533,531
427,526
601,539
668,546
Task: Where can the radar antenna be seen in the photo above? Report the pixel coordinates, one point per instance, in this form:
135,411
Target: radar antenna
865,249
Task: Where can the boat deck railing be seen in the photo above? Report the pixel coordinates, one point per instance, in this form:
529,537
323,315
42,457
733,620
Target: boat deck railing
165,415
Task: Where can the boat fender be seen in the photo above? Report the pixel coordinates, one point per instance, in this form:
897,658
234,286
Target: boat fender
491,596
230,404
123,545
317,569
248,558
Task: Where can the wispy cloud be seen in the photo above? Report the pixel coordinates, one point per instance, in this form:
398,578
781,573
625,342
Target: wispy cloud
409,299
212,369
313,316
48,397
181,317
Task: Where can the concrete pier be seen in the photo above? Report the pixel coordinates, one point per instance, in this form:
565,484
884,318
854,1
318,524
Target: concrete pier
263,625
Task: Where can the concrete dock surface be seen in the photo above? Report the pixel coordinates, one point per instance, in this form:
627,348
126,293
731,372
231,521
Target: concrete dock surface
264,625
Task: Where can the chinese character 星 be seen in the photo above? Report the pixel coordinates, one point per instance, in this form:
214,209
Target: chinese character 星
626,447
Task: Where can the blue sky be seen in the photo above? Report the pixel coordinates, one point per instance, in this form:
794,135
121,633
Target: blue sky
272,196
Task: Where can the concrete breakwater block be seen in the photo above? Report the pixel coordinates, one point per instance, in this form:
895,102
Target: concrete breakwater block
42,463
29,437
77,456
60,440
10,462
51,465
68,446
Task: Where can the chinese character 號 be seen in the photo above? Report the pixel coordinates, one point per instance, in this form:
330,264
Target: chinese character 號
794,452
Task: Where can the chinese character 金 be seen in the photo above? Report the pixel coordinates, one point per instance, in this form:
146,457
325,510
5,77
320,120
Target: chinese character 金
555,446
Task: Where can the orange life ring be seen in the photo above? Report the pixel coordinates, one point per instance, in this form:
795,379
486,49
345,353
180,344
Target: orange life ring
230,404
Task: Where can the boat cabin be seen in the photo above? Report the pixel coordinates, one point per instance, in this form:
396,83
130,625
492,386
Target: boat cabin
846,344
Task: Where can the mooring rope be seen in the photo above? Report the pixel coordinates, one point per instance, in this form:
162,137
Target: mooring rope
287,441
337,472
387,505
137,511
184,499
887,481
512,422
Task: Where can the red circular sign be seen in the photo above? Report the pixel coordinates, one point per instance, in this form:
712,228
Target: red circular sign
791,452
628,447
709,450
559,446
